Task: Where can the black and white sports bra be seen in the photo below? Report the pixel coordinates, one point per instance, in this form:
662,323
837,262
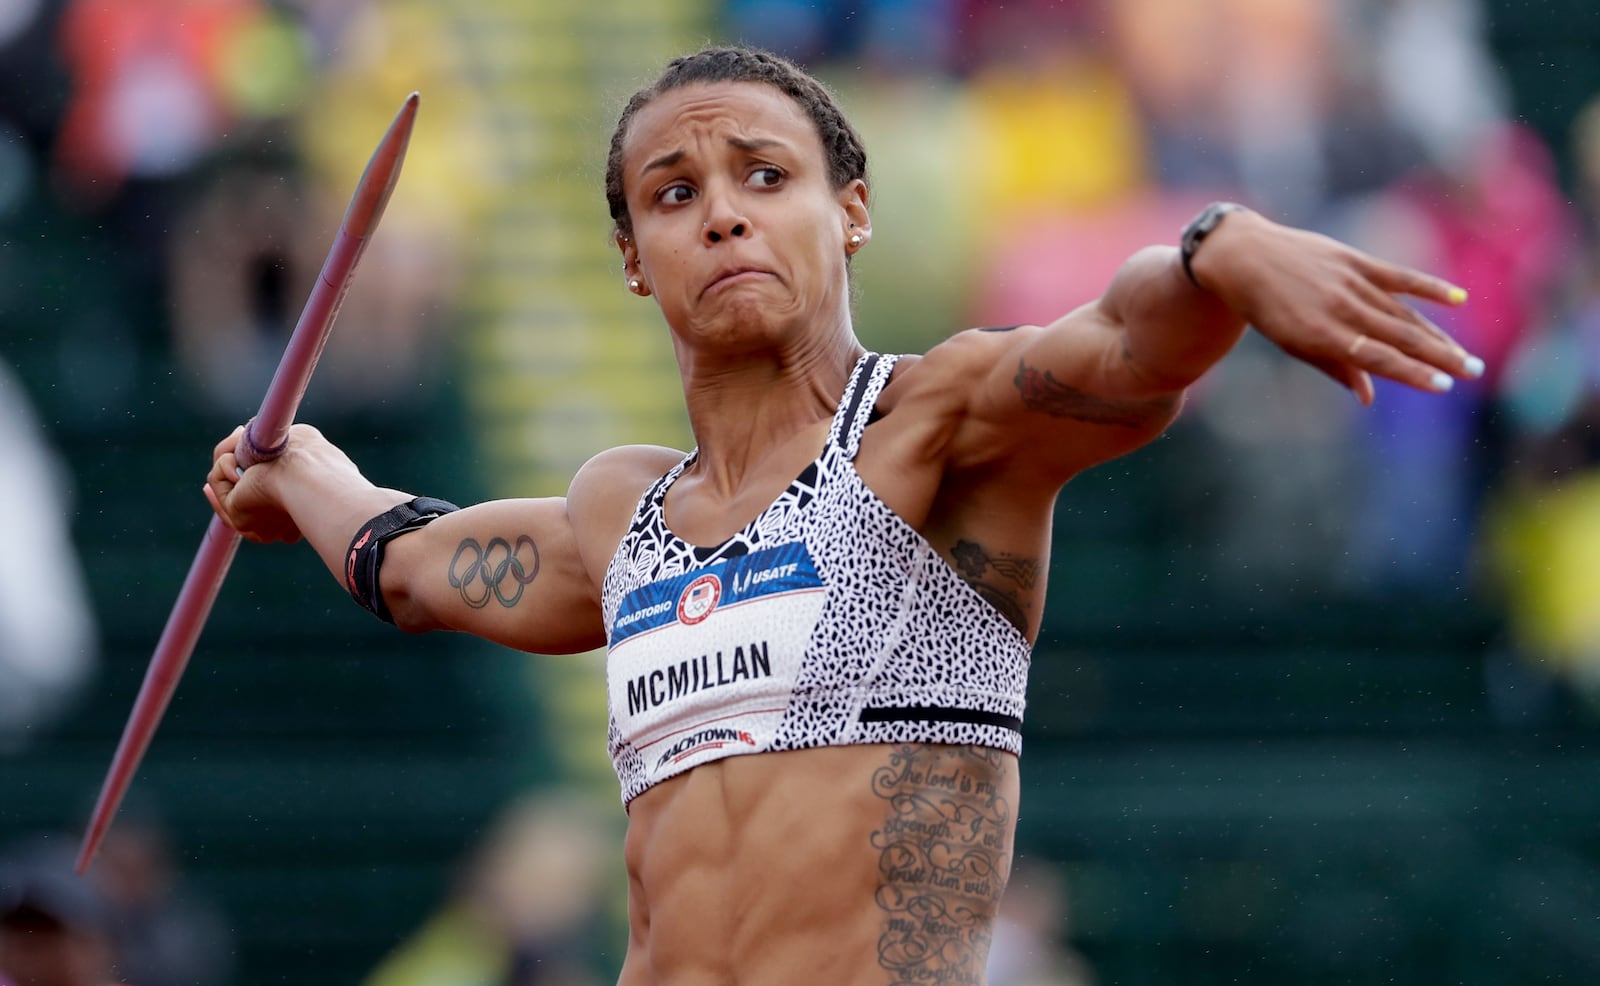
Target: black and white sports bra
826,621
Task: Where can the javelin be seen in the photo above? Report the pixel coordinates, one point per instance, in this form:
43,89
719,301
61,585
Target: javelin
265,438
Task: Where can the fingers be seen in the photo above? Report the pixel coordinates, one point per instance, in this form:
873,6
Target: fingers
243,499
224,477
228,444
1336,308
1403,280
1389,338
1357,381
1404,313
220,483
1374,356
1400,350
212,498
1409,331
225,471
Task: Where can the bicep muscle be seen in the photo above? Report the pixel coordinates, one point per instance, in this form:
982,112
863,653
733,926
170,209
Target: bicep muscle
508,570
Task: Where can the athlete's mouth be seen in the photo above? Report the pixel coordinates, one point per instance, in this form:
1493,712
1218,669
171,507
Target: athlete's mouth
729,276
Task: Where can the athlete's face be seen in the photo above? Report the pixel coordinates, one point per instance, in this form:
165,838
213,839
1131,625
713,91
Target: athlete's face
737,231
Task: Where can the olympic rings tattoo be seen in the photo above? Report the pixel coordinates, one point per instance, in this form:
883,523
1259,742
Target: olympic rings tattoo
481,573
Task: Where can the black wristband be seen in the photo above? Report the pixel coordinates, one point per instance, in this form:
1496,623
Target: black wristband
366,548
1199,228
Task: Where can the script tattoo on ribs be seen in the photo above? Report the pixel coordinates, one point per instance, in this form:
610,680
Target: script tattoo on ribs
974,563
1041,391
943,857
498,570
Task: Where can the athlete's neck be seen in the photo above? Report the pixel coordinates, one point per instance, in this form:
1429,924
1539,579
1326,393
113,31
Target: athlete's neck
743,406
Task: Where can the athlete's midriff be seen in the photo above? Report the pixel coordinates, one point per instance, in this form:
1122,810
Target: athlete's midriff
851,866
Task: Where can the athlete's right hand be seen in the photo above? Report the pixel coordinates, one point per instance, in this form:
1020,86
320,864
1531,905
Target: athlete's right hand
245,499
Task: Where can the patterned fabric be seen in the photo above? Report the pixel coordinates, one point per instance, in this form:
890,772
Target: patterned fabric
826,621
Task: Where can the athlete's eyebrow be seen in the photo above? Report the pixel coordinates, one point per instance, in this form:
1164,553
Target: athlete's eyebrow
750,145
664,161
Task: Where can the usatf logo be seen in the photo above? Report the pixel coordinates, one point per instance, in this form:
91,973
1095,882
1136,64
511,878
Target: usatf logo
699,599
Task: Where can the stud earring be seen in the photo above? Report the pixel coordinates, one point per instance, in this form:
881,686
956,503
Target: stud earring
855,240
633,285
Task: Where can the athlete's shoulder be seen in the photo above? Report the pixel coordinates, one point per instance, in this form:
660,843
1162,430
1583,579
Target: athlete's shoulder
643,463
618,476
945,373
604,493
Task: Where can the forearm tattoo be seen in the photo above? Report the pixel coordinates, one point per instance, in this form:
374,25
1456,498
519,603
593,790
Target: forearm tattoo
499,570
975,564
944,853
1041,391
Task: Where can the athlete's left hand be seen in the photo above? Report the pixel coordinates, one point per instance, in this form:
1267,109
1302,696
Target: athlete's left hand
1333,306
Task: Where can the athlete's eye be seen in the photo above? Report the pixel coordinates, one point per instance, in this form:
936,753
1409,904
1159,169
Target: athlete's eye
675,195
765,178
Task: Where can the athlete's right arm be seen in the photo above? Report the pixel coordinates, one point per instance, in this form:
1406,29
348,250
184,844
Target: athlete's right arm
511,571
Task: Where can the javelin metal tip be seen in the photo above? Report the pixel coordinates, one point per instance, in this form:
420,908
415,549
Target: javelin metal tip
383,170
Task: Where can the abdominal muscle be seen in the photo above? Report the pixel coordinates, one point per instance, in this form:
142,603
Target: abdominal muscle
872,865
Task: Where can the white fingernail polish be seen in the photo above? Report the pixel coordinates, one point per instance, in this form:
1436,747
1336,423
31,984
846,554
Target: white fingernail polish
1442,381
238,470
1473,366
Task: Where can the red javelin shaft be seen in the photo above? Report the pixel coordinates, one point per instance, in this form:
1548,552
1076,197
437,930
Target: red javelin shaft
264,439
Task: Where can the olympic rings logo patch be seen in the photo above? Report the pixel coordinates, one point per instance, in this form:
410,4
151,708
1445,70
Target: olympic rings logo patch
699,598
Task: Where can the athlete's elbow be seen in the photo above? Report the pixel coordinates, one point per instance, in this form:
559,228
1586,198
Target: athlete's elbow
407,611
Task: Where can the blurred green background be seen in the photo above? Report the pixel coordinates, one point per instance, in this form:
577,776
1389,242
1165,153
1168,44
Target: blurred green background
1315,697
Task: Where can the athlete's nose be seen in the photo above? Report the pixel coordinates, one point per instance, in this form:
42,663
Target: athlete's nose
724,220
715,234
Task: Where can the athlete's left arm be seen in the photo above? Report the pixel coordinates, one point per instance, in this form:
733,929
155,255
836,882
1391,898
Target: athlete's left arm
1108,377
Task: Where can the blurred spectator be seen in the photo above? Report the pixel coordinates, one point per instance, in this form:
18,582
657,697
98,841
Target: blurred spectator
53,925
157,90
47,636
1493,218
1030,945
1543,523
162,932
798,29
31,93
455,164
238,276
1236,94
252,240
527,910
1437,78
247,256
1056,132
157,83
1543,533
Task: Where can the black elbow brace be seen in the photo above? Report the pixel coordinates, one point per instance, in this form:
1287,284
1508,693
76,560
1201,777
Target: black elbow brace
366,548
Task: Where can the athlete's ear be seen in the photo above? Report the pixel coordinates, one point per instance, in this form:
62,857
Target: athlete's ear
853,209
632,271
